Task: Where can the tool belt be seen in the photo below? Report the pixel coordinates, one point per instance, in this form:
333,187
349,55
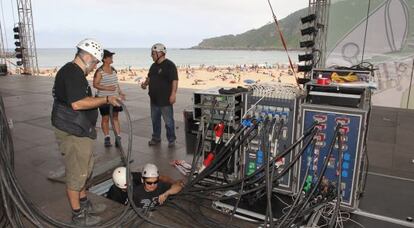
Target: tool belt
71,121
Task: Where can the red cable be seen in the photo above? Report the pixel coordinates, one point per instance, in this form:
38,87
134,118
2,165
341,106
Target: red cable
284,43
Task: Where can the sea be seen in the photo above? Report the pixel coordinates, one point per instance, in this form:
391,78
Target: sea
140,57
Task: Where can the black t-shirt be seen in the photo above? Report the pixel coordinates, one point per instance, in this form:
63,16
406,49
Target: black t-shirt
160,82
149,200
120,196
71,85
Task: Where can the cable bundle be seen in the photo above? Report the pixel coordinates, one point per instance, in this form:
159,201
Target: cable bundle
17,206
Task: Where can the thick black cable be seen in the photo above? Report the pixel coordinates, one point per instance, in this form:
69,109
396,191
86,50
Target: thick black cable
325,165
296,158
4,131
23,208
269,190
255,174
121,152
6,206
260,187
22,201
198,150
236,206
333,219
290,165
22,198
129,176
227,152
276,139
298,197
201,136
266,144
219,159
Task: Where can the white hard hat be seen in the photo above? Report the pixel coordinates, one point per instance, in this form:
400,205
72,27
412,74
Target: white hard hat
150,170
119,177
159,47
92,47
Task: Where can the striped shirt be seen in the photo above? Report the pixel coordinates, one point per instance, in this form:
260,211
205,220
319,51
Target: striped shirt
108,80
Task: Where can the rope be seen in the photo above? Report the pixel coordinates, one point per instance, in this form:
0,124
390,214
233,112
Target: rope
283,42
366,29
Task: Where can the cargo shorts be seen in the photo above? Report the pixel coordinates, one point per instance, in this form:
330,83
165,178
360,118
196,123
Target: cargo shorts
78,158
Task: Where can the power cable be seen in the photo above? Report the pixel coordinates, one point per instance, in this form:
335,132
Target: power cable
17,204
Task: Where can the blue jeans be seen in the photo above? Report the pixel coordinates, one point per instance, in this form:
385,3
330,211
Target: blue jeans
167,114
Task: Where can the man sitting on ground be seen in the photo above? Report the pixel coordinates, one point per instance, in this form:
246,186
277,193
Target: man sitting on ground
149,188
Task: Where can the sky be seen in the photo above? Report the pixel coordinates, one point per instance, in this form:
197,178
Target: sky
140,23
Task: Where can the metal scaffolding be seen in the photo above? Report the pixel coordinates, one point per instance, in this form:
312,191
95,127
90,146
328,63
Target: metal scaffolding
27,37
320,9
2,50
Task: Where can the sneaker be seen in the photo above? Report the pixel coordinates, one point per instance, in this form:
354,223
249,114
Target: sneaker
171,144
118,141
154,142
92,208
83,218
107,142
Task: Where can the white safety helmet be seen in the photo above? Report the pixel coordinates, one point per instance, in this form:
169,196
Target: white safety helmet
119,177
159,47
92,47
150,170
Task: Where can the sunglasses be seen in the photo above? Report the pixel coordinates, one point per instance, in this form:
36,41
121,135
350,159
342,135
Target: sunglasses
151,183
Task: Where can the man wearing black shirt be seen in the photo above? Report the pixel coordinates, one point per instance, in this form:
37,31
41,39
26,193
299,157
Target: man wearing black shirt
149,188
72,91
162,81
118,191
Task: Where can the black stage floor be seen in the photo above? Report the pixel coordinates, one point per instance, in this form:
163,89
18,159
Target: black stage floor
389,190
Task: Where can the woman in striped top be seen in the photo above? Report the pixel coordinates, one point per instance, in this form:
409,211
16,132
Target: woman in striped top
106,83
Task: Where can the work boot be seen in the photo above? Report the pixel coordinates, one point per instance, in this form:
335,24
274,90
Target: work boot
107,142
92,208
171,144
118,141
83,218
154,142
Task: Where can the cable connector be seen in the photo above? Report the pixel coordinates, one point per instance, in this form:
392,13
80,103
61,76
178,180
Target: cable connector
247,122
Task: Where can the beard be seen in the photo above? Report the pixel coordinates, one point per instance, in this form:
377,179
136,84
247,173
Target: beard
89,67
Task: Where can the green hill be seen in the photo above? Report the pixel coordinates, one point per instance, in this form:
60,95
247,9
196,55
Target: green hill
263,38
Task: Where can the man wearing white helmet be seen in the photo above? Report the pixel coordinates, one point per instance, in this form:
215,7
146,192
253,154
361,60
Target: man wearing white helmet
149,188
74,116
163,82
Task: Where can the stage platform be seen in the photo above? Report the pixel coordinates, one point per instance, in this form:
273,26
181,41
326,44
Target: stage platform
387,201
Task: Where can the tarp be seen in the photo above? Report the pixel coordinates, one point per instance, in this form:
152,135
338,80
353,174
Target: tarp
380,32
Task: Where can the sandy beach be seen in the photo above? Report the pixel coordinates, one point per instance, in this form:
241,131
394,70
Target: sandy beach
204,77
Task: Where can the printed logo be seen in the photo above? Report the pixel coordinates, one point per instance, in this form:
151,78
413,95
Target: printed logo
147,203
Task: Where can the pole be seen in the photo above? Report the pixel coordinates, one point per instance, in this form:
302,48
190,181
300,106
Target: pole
411,81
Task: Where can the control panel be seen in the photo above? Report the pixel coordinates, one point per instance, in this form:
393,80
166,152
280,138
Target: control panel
276,107
351,140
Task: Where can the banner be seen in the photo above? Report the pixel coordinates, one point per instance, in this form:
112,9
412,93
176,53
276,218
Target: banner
380,32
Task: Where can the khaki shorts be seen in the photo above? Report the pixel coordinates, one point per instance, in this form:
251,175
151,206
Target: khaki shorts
78,158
